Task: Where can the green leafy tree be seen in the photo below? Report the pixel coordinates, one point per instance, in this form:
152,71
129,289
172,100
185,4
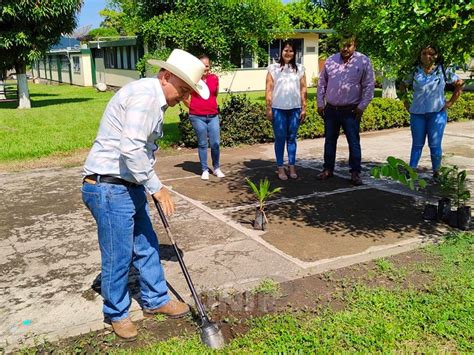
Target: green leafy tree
102,32
218,27
305,14
28,28
393,32
123,16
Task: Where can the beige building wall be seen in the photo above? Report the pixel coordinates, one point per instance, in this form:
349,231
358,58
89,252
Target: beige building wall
86,66
65,72
54,72
77,77
120,77
84,76
242,80
42,70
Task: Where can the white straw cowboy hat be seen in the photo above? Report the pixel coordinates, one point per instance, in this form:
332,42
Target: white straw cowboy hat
186,67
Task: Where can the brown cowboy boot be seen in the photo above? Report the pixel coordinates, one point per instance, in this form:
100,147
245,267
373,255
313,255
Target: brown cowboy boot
172,309
125,329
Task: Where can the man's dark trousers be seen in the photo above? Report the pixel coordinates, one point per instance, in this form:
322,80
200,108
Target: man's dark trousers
334,118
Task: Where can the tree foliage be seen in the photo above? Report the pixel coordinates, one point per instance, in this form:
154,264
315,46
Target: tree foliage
123,16
305,14
393,32
101,32
29,28
216,27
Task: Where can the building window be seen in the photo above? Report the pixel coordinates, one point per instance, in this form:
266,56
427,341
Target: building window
110,58
245,60
124,57
118,54
128,56
53,63
65,63
125,60
76,65
275,49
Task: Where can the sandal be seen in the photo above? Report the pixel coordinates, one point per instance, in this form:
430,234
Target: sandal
282,174
325,174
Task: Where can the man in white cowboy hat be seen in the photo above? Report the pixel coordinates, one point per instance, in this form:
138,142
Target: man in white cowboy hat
118,174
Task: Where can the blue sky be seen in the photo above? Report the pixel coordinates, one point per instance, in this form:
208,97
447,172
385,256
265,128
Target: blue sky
89,14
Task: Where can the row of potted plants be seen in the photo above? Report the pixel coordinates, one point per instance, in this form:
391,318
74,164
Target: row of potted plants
453,191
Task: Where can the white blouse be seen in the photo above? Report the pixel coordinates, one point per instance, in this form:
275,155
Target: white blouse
286,86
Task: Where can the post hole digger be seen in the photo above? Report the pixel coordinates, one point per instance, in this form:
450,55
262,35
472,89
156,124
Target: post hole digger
210,333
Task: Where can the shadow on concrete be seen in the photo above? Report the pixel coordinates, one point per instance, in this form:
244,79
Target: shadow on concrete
167,253
233,190
190,166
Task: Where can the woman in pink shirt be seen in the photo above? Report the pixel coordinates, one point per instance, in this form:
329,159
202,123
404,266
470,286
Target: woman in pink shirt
204,117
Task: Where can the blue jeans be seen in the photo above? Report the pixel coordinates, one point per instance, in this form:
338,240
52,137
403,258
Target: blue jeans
333,120
207,126
285,128
126,237
430,124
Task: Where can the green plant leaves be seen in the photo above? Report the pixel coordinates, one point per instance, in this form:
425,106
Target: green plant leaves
398,170
263,191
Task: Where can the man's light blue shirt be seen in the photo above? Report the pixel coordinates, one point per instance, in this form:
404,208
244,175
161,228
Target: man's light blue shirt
125,144
428,89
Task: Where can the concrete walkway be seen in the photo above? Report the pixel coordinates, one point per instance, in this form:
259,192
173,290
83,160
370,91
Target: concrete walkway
50,262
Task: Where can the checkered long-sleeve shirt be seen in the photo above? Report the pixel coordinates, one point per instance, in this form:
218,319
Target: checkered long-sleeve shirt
125,144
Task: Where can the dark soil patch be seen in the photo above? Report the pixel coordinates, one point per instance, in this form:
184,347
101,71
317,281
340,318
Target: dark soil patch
340,224
311,294
234,191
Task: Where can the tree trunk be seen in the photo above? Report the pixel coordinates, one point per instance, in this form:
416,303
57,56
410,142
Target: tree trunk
389,89
2,90
3,77
23,94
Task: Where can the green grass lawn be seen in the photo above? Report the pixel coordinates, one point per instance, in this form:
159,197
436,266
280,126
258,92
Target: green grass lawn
64,118
438,317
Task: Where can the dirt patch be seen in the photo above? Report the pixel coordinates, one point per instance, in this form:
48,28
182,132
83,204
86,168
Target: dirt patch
310,294
234,191
341,224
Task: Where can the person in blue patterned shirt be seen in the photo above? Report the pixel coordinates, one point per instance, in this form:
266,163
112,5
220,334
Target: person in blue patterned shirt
118,174
428,109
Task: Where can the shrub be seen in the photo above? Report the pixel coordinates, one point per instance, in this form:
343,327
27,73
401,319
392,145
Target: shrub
383,113
463,109
244,121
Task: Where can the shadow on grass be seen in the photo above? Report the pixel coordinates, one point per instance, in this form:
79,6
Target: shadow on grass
43,103
51,102
42,94
8,104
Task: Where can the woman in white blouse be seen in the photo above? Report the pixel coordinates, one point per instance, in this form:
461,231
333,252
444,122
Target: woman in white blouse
286,105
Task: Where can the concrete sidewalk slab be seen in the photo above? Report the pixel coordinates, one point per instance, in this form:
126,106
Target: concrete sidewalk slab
49,256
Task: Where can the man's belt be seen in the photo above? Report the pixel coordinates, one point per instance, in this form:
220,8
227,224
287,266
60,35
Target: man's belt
342,108
206,116
107,179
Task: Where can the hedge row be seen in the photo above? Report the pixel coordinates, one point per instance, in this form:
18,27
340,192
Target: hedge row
244,122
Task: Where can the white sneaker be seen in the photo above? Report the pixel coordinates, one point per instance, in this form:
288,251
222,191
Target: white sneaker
205,175
218,172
